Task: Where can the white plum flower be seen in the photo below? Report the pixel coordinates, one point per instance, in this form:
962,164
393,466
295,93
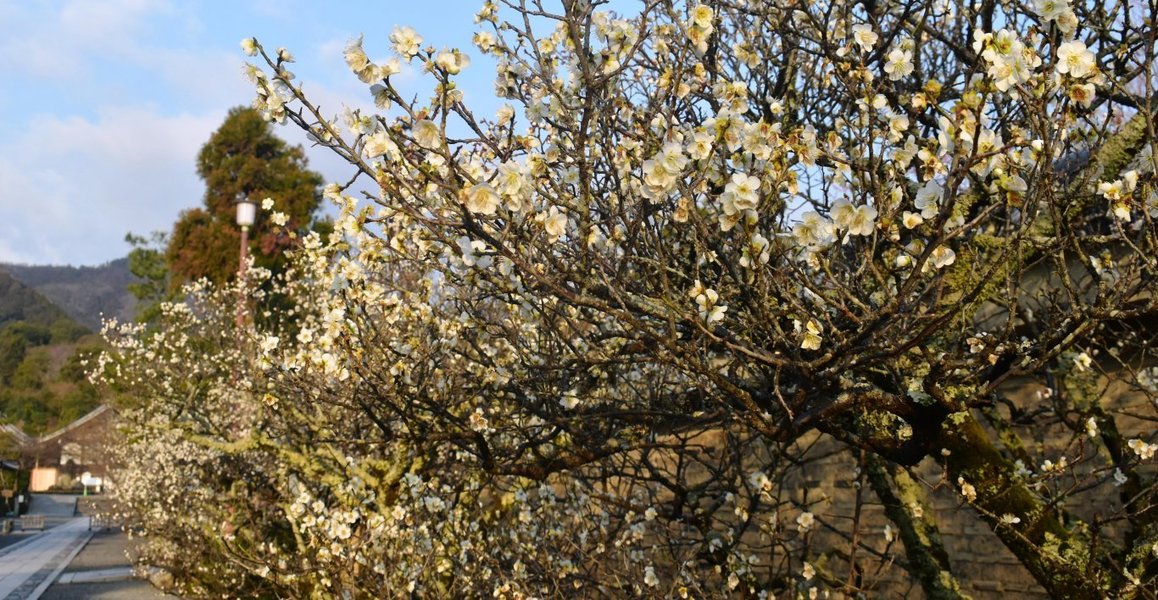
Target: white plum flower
355,56
1145,451
741,193
864,36
942,256
928,199
406,41
911,219
1075,60
856,220
757,252
249,46
452,61
470,253
707,301
1011,62
805,521
811,338
481,198
269,343
649,577
555,223
967,489
427,134
1050,10
702,16
813,230
379,144
1082,93
898,63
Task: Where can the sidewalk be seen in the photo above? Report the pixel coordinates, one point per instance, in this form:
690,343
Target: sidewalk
101,570
29,566
69,562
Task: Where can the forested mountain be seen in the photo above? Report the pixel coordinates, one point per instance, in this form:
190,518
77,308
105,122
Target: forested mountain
85,293
42,355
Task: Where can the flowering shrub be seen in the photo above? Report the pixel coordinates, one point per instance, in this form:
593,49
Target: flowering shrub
584,346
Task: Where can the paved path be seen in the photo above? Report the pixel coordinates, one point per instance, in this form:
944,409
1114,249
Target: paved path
67,561
28,567
102,570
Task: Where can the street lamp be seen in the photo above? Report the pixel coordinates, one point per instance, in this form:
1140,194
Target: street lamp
246,215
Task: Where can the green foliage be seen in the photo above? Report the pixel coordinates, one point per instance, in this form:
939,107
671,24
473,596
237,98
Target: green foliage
42,361
242,157
147,264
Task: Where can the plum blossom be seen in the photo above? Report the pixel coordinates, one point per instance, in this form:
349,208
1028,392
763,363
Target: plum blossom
741,193
928,199
941,257
855,220
662,171
1050,10
427,134
700,27
1075,60
864,36
481,198
707,301
555,223
810,338
1119,192
813,230
898,63
471,250
1144,450
967,489
1082,93
452,61
757,252
249,46
649,577
406,41
1011,62
805,521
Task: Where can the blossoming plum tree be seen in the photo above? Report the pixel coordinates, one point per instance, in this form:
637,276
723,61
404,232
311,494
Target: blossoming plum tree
592,344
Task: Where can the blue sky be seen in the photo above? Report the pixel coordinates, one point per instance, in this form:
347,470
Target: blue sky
105,103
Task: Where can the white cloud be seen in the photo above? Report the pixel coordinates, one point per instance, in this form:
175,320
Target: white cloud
59,44
109,103
70,189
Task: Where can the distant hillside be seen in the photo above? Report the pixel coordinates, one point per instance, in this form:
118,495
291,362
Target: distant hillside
19,302
87,294
42,360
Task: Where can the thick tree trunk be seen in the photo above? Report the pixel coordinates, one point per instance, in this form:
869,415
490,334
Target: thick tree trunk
904,504
1058,558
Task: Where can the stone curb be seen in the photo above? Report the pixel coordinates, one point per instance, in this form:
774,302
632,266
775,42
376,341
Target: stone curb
48,581
98,576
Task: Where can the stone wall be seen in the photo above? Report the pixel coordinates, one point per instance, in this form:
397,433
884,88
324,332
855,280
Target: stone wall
983,566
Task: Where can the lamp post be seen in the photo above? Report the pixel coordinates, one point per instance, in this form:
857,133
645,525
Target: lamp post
246,215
